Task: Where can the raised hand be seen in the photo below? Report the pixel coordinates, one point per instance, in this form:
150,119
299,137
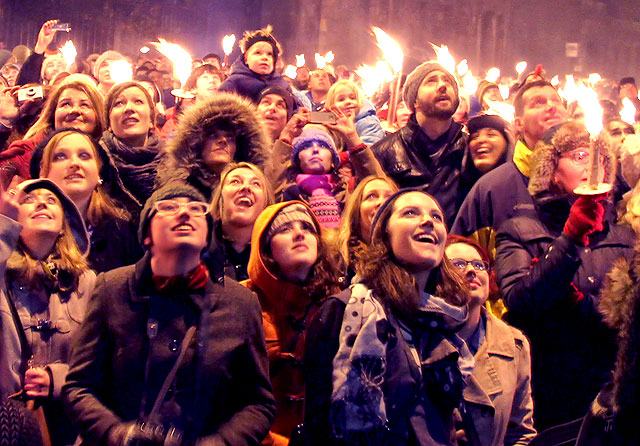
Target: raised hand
45,36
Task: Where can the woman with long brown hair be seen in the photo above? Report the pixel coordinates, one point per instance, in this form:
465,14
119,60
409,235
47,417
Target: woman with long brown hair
383,362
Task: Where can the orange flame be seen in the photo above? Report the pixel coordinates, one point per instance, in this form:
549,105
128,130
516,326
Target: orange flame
628,112
300,60
68,52
445,58
390,49
180,58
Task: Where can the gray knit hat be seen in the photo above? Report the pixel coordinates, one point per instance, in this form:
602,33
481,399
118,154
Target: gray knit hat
168,191
288,214
416,77
107,55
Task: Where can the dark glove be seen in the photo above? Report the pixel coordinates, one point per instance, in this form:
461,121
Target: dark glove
135,434
586,216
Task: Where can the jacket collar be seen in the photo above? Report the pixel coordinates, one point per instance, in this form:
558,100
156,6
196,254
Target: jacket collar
141,287
485,381
522,158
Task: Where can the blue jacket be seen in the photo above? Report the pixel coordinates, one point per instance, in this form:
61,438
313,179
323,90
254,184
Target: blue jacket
248,83
368,125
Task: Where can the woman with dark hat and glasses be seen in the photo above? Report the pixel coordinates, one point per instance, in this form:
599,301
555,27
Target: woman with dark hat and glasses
46,283
168,356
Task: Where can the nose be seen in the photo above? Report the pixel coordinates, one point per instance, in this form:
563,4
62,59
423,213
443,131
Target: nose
297,233
427,220
469,271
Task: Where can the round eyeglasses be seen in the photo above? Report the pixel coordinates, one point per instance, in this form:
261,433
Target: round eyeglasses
478,265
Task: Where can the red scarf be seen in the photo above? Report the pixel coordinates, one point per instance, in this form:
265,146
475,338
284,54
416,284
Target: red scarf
191,282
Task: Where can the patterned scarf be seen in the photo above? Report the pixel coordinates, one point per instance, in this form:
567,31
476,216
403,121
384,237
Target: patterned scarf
321,201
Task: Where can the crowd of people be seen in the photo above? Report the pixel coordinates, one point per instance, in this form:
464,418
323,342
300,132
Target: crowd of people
251,258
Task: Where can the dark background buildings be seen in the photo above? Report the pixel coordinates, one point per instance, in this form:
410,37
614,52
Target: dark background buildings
488,33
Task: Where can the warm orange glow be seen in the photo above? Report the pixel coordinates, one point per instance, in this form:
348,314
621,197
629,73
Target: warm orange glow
390,49
227,43
180,58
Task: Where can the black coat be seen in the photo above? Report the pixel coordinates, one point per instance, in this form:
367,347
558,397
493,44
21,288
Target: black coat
404,157
551,288
248,83
114,243
222,393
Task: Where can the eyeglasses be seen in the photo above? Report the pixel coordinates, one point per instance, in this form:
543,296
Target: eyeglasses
581,157
172,207
478,265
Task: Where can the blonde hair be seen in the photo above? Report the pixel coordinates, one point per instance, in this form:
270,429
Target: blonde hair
331,94
65,255
101,205
349,232
216,198
46,122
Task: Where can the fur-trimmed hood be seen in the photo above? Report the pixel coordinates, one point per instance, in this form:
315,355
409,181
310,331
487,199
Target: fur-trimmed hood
568,137
184,160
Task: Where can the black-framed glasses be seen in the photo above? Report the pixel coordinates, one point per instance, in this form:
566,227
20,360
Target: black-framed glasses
172,207
478,265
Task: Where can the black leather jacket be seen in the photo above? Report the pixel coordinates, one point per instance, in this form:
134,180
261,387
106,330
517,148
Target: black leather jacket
404,157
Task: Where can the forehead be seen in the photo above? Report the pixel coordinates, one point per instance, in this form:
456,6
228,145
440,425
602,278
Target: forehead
618,125
462,251
319,73
73,93
132,92
272,98
344,89
43,193
435,74
543,91
376,185
416,199
260,46
242,173
74,141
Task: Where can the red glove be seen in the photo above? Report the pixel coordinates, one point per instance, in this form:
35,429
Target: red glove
586,216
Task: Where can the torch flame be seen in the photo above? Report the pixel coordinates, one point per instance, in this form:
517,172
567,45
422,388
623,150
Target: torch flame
373,77
555,81
588,100
390,49
493,74
628,112
290,72
444,57
145,49
594,78
120,71
521,66
504,91
505,111
68,53
178,56
570,90
320,62
227,43
469,83
328,58
462,68
300,60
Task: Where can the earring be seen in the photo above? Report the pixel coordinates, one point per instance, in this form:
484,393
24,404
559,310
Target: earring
100,181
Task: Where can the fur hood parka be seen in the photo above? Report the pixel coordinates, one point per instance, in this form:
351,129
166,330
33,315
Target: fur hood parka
227,111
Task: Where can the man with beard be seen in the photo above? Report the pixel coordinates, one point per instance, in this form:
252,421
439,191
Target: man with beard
428,151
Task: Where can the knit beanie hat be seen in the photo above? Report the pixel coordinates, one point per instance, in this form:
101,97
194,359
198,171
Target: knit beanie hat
484,121
568,136
283,93
170,190
261,35
107,55
288,214
310,135
483,87
416,77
